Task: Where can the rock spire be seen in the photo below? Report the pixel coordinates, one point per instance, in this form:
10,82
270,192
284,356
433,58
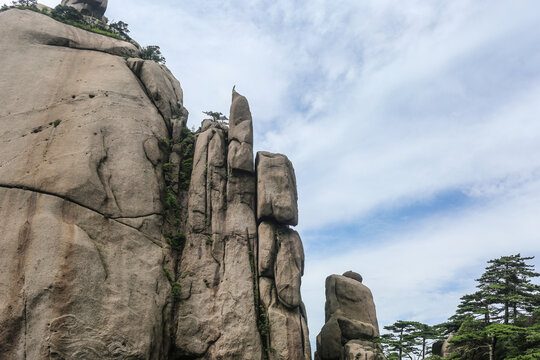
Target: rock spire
240,272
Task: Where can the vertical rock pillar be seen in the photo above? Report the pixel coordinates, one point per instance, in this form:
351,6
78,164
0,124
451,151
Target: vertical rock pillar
216,312
242,264
280,259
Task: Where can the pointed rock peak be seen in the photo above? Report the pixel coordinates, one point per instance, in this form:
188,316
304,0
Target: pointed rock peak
94,8
240,111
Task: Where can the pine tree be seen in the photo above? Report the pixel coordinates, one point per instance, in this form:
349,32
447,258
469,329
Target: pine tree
497,321
401,341
507,282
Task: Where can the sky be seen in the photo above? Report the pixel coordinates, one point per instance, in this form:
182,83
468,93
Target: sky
413,126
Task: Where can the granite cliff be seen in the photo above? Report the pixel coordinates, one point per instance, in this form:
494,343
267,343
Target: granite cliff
124,235
127,236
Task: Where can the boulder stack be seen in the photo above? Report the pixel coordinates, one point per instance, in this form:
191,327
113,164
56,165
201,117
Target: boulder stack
280,258
94,8
351,321
240,273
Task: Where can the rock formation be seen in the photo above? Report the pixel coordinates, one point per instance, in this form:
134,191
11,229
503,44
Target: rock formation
80,204
280,259
126,236
94,8
443,348
351,321
222,298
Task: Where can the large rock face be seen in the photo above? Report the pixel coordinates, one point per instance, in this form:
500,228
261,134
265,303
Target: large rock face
80,197
94,8
351,321
109,251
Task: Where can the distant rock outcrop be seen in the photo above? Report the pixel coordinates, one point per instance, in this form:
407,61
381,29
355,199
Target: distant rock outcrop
94,8
351,321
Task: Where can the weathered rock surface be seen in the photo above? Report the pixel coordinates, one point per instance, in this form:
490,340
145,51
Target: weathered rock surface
217,303
289,267
287,329
94,8
351,320
267,248
276,189
105,254
443,348
362,350
80,198
161,86
352,300
280,259
236,283
240,134
59,36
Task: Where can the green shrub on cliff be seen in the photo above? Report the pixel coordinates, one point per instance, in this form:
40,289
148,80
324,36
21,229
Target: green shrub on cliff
120,28
63,13
25,3
152,52
188,151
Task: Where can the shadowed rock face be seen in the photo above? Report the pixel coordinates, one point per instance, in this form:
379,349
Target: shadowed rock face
94,8
351,321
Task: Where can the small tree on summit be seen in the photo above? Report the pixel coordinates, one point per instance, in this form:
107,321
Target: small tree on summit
216,116
67,13
25,3
121,28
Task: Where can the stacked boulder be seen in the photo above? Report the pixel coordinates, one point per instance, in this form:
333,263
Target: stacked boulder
219,312
351,321
280,259
94,8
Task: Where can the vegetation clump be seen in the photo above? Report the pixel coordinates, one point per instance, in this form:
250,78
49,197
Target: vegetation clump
216,116
152,52
170,201
69,15
188,151
175,286
177,240
500,321
24,5
120,28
